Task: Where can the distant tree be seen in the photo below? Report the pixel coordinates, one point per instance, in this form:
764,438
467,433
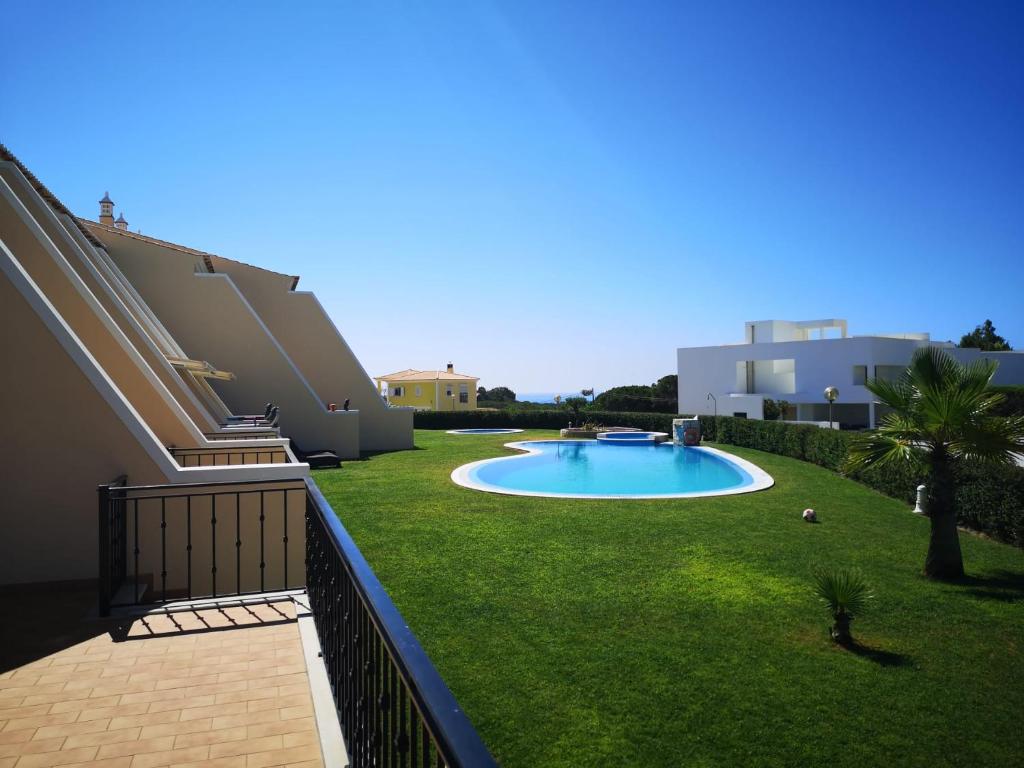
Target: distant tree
576,404
775,409
588,393
636,398
496,395
666,387
984,337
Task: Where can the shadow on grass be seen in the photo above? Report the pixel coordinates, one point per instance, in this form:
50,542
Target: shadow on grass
1005,586
877,655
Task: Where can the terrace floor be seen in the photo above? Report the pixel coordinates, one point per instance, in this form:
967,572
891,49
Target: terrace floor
223,687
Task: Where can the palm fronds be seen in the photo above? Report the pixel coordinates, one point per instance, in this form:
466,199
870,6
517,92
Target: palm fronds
843,591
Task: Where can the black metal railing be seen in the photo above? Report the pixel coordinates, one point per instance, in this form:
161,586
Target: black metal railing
217,457
113,532
243,434
162,540
393,706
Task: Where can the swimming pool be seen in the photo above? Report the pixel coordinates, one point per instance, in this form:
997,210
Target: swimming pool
589,469
483,431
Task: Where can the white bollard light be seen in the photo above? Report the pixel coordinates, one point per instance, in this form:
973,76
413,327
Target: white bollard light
919,509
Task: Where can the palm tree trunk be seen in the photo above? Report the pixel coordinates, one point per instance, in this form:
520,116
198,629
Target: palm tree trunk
944,559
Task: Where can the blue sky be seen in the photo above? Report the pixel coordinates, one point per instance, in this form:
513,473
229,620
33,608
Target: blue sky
552,195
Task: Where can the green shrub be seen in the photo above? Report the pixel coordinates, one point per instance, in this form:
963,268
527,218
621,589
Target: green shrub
1014,404
541,419
989,499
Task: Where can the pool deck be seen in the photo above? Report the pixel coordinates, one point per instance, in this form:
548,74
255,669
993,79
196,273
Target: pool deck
219,687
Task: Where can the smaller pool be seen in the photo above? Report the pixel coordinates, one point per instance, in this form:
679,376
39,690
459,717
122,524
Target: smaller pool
631,438
483,431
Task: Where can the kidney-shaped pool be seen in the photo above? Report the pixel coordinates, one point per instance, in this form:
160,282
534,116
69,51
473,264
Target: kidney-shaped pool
589,469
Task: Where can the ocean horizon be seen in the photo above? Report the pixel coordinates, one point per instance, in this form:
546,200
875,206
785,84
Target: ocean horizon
545,397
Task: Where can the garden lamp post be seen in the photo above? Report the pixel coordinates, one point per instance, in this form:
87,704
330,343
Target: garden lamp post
715,399
831,393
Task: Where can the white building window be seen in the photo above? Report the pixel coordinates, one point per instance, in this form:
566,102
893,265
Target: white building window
889,372
419,390
398,391
448,391
860,375
463,393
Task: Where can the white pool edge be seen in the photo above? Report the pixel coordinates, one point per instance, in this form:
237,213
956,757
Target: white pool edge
760,480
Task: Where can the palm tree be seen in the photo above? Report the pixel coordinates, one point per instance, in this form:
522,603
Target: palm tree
846,595
941,416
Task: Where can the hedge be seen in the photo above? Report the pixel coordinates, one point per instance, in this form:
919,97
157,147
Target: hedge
540,419
1014,403
989,499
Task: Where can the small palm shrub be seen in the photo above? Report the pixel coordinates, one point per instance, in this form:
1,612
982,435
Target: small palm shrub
846,594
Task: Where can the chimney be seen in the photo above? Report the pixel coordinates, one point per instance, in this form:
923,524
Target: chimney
107,210
121,223
451,368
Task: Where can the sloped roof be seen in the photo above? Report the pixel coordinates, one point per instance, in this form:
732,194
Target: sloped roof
206,256
47,195
146,239
410,374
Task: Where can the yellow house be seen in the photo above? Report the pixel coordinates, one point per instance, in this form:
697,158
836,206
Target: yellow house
434,390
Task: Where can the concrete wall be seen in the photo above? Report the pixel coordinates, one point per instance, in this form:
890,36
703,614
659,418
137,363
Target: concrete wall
61,438
817,364
80,309
314,344
211,320
190,411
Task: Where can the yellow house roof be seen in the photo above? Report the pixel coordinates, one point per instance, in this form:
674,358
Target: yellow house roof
410,374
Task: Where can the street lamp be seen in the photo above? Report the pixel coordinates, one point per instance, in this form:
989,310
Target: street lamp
831,393
712,397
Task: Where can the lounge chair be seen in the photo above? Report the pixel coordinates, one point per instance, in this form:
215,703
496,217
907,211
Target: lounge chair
255,417
319,459
270,420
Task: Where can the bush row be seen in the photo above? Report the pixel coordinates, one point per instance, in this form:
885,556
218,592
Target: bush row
990,500
540,419
1014,403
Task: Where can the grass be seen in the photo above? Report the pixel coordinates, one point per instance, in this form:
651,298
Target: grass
687,631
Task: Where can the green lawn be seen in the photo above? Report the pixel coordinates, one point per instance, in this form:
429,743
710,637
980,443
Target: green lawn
685,632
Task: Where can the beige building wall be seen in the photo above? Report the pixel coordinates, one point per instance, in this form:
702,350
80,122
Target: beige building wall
212,320
61,439
73,301
313,342
110,300
82,404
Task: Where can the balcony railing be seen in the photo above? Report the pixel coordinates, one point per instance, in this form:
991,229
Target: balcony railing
163,542
257,433
218,457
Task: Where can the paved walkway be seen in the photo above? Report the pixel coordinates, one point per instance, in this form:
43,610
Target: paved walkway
217,687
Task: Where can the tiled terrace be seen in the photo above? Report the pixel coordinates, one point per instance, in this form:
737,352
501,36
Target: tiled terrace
215,687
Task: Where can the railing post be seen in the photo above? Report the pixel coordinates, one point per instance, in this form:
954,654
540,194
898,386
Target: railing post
103,518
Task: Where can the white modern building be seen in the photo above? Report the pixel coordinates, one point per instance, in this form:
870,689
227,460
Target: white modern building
796,360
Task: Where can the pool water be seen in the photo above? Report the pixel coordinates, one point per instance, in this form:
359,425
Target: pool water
592,469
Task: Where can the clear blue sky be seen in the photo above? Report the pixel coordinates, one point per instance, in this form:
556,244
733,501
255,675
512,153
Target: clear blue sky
483,181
